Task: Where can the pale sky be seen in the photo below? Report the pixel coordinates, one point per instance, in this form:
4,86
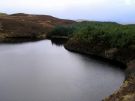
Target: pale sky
122,11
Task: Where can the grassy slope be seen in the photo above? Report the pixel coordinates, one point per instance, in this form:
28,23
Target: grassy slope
104,38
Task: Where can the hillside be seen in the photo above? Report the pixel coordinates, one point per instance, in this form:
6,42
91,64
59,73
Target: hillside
28,26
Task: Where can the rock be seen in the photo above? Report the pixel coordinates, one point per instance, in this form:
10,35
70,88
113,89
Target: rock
111,53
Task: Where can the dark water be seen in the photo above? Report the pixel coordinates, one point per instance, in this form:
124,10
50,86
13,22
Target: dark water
42,71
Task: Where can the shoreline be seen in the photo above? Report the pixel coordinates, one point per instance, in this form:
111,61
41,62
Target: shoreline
127,90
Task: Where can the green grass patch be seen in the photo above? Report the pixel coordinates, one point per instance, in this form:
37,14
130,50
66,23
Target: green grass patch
110,34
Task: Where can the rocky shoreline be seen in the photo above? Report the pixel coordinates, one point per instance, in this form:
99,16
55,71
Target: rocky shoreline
127,90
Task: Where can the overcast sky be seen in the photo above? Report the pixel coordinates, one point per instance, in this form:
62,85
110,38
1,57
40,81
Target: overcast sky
122,11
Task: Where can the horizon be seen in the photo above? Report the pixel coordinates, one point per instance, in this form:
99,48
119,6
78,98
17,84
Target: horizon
120,11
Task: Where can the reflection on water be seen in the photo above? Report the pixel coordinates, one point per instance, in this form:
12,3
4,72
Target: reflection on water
19,39
40,71
58,42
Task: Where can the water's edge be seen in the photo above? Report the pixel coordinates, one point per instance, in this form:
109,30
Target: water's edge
127,90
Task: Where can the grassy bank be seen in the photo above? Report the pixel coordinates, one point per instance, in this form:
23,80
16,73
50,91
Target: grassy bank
105,38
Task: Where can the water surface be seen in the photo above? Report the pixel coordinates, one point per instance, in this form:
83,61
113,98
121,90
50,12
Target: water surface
42,71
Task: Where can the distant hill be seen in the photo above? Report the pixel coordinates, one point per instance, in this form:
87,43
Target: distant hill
2,14
28,25
42,19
